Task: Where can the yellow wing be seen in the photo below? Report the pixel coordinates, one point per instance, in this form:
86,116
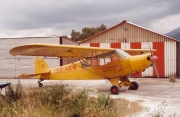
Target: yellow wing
56,50
138,51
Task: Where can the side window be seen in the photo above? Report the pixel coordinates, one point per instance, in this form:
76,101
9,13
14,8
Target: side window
103,59
94,61
114,58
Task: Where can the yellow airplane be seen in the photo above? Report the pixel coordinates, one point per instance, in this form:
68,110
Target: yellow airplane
94,63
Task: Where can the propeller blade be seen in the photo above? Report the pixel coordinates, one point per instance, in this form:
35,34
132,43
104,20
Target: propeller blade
155,68
153,60
150,49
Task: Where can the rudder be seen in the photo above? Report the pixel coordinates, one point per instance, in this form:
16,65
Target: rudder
41,66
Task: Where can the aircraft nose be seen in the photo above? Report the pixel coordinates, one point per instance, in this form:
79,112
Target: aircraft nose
153,59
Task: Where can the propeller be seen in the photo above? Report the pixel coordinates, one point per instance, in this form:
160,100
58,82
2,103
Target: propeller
155,68
153,59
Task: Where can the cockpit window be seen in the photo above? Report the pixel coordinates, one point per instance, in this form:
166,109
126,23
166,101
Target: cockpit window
122,53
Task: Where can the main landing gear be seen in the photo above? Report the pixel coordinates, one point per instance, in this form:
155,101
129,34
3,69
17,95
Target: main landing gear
134,85
115,90
40,83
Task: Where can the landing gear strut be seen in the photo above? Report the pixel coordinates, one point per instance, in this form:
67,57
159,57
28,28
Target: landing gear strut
39,83
123,81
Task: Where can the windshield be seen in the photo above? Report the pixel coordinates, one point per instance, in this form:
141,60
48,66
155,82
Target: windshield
122,53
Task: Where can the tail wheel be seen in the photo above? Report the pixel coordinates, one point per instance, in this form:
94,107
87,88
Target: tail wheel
134,85
115,90
40,84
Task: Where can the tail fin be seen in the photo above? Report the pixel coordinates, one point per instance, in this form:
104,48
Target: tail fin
40,66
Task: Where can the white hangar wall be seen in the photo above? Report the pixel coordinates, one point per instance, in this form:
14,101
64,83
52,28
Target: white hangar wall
127,35
13,66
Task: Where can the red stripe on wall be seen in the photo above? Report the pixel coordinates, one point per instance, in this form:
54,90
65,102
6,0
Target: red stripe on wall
159,46
94,44
136,45
115,45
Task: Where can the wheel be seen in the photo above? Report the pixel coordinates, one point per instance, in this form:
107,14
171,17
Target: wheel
115,90
40,84
134,85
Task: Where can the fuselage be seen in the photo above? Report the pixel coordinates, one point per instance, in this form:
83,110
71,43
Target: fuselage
113,65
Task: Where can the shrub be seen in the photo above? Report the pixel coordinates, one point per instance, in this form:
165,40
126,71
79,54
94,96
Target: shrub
12,94
78,104
105,101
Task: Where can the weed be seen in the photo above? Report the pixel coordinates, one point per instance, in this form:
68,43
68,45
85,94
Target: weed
172,115
55,96
104,101
78,104
159,112
172,79
12,95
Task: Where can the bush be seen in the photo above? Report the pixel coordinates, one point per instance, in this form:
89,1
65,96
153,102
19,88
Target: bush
105,101
12,94
78,104
55,96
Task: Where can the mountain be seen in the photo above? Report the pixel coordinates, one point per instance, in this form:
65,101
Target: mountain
175,34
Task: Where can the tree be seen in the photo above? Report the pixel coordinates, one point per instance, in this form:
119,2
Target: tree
86,32
75,35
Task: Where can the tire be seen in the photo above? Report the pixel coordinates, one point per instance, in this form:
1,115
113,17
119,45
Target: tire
40,84
115,90
134,85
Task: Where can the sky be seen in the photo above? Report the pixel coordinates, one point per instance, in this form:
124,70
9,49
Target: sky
36,18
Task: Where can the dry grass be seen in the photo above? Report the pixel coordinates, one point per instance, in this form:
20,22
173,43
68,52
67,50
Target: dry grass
57,101
60,101
172,79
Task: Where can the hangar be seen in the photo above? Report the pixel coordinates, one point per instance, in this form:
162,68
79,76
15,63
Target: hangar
127,35
11,67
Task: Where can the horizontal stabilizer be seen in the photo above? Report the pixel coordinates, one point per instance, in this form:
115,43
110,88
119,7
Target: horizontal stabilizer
28,75
32,75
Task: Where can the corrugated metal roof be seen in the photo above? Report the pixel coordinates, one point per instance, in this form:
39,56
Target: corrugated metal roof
32,37
124,21
152,31
41,37
103,31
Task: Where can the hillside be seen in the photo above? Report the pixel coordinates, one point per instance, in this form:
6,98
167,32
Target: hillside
175,33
